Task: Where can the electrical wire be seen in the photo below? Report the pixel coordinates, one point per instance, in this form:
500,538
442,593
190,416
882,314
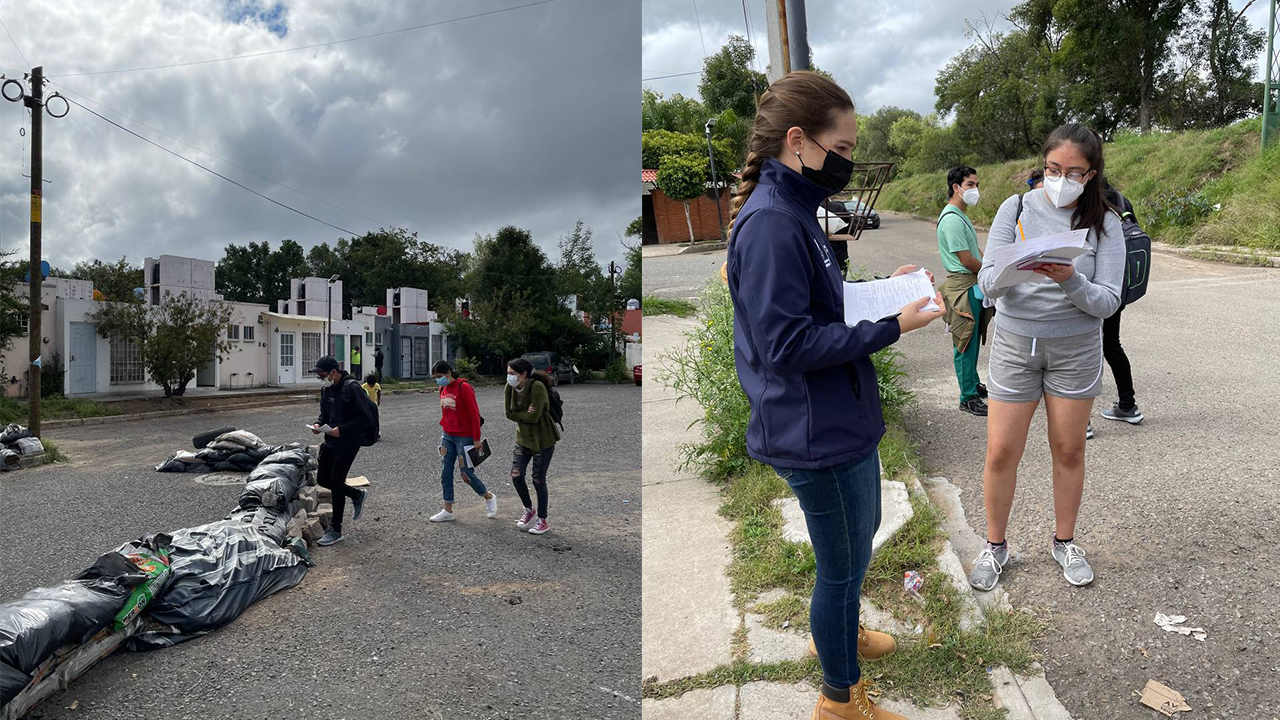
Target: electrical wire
664,77
209,170
308,47
702,39
206,152
15,42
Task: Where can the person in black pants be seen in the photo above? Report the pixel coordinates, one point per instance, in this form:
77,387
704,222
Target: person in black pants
342,409
1126,410
377,362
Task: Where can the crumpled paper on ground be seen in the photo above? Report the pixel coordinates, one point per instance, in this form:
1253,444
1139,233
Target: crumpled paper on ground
1174,624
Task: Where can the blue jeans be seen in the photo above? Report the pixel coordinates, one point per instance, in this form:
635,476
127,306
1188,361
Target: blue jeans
842,510
453,449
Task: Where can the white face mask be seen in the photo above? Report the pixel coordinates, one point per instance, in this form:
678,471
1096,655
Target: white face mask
971,197
1061,191
513,380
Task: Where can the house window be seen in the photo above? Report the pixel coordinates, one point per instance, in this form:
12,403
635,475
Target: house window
368,338
126,362
310,349
233,332
24,322
248,333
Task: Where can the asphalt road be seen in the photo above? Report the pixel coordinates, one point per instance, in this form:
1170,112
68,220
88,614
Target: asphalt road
1178,514
405,619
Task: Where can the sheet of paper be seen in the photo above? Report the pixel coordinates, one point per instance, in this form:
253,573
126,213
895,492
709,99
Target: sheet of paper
323,428
879,299
1015,263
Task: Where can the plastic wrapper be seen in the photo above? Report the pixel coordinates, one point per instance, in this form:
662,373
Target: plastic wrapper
13,433
242,438
272,486
29,446
9,460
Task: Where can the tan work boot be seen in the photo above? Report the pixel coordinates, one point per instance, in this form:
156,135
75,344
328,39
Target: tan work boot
858,707
872,645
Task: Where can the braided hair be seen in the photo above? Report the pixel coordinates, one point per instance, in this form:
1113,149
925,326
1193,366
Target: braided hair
800,99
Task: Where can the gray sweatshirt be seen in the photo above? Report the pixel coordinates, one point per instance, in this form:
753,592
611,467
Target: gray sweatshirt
1047,309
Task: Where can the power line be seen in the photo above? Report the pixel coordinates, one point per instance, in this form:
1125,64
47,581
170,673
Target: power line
310,47
235,165
209,170
702,39
15,42
676,75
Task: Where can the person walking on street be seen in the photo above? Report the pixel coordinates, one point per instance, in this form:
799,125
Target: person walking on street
1126,408
1048,343
460,420
961,258
528,404
342,409
377,362
373,389
815,409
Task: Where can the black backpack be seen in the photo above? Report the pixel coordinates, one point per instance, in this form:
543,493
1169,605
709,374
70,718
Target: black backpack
555,407
1137,255
372,433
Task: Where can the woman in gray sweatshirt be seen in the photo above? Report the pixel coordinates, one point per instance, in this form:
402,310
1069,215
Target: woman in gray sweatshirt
1048,343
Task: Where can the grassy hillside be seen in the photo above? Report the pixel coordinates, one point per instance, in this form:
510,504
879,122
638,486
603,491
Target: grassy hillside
1173,180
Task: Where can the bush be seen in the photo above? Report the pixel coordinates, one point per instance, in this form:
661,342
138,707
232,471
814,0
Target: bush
618,372
703,370
465,367
52,378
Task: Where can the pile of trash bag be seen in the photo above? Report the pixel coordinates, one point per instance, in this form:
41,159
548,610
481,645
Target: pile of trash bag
16,441
34,627
234,451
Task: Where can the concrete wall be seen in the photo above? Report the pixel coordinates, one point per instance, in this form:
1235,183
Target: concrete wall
248,363
672,226
274,326
412,307
78,311
15,361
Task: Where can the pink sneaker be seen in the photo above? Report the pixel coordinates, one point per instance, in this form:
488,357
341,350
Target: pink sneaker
540,528
526,519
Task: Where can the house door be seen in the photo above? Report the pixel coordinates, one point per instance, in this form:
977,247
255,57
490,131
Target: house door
340,351
83,360
406,357
288,359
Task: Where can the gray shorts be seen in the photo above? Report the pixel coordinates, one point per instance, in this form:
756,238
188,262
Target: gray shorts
1021,369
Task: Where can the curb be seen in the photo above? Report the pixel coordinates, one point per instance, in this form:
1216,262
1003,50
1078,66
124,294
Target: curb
112,419
705,248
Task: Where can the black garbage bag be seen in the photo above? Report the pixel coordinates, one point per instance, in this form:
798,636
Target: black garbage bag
13,433
242,459
219,570
173,464
226,466
211,456
34,626
272,486
291,456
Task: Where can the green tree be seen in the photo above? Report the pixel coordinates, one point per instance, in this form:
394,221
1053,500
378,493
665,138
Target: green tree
683,178
116,281
729,83
926,144
675,114
657,145
175,339
254,273
1212,84
579,273
630,286
14,308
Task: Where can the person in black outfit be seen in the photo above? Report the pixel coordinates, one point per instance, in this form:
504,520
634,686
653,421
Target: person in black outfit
342,409
377,362
1126,410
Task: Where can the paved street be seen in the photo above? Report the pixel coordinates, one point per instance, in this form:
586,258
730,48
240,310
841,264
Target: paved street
405,619
1177,512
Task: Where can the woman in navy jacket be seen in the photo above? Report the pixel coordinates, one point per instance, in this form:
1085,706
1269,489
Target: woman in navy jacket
815,405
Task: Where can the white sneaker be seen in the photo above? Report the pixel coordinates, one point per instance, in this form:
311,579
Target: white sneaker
491,506
443,516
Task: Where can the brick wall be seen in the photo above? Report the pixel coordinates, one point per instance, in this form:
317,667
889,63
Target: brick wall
672,227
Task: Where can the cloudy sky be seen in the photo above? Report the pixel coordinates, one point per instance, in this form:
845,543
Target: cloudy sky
527,117
884,52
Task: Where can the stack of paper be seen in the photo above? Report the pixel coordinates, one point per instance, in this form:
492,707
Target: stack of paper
1016,263
880,299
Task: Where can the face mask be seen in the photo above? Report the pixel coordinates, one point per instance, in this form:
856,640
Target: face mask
442,381
1062,191
971,197
513,380
329,381
834,175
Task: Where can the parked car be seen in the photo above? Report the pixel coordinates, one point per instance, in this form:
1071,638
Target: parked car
857,207
557,367
843,214
635,372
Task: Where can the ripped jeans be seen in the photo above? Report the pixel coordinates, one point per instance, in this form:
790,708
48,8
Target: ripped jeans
520,460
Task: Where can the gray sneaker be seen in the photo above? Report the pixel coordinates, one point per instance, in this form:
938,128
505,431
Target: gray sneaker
1132,415
987,568
357,505
329,538
1074,567
1088,432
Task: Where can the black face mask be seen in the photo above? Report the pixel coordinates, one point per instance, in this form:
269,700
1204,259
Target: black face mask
835,172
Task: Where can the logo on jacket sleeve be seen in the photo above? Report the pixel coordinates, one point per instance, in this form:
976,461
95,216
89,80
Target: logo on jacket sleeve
825,250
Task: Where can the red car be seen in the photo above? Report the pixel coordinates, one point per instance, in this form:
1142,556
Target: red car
635,372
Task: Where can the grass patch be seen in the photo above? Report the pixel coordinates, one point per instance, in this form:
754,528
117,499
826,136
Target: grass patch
762,560
54,408
51,452
666,306
790,612
1190,188
737,673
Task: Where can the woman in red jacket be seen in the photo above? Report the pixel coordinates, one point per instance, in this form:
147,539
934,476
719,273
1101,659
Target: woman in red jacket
460,419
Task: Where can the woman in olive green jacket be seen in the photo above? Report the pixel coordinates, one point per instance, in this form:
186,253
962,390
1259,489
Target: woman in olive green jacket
528,401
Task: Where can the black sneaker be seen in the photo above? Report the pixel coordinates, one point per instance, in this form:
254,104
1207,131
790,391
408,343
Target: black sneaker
357,505
1088,433
1130,415
974,406
982,391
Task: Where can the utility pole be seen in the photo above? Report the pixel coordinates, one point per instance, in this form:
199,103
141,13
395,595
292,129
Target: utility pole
715,183
613,311
1271,84
36,101
797,35
788,37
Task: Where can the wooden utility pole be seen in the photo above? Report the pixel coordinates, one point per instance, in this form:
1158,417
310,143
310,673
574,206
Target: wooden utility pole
34,101
788,37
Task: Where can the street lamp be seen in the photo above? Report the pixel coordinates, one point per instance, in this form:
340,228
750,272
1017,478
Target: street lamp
715,184
329,318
